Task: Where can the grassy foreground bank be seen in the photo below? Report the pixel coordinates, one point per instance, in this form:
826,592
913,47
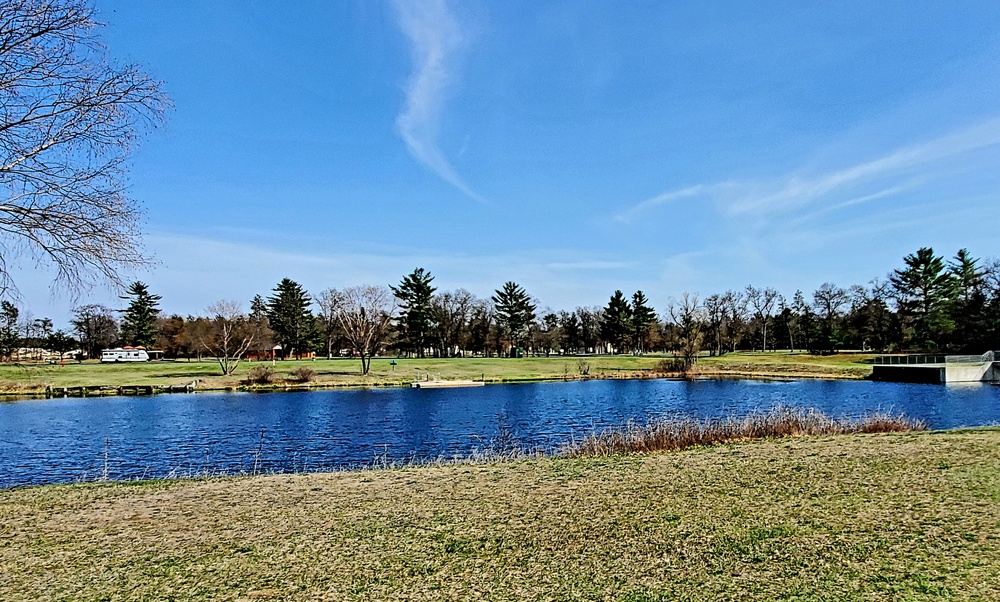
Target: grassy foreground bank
347,372
912,516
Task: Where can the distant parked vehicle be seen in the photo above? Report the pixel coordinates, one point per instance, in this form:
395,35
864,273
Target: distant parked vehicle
124,354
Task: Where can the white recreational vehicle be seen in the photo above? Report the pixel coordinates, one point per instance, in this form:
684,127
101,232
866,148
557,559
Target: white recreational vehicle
124,354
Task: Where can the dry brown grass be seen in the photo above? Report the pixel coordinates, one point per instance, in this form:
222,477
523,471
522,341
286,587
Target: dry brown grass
683,433
783,364
912,516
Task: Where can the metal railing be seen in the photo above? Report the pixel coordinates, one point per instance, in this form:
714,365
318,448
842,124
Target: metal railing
970,359
917,360
909,360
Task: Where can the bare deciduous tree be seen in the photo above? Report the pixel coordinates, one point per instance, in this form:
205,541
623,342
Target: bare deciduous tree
452,312
365,314
68,121
96,328
689,317
715,321
828,300
327,318
762,300
229,334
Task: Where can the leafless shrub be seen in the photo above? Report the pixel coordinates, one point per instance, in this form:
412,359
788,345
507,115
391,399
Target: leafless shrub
260,375
684,433
671,366
302,374
583,367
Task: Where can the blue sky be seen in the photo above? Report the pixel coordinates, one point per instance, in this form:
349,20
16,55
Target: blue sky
574,147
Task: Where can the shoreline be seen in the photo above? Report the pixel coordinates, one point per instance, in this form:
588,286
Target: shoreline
92,378
147,390
480,459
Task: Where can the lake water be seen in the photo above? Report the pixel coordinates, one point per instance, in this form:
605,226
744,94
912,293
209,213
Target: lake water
66,440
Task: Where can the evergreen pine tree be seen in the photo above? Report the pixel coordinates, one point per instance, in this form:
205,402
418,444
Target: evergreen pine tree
806,322
258,308
616,325
290,319
968,308
515,312
569,323
643,320
139,326
924,291
415,293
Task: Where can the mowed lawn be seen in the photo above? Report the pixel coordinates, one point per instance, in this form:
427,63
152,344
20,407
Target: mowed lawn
911,516
348,371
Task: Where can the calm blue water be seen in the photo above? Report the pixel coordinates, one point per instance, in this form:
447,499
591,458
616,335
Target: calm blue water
64,440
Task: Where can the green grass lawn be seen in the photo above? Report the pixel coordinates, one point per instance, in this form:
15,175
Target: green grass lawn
911,516
348,371
336,371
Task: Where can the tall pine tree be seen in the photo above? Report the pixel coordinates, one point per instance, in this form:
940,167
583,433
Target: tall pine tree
643,321
515,312
140,321
924,291
968,308
616,325
415,319
289,317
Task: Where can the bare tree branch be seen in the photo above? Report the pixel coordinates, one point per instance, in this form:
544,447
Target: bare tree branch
365,314
689,317
68,122
230,335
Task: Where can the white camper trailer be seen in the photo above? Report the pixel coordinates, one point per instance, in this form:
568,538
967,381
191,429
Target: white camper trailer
124,354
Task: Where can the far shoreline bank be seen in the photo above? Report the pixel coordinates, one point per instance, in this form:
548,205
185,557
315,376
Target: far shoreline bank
30,395
95,379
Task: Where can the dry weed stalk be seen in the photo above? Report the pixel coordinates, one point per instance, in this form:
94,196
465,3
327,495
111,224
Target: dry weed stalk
684,433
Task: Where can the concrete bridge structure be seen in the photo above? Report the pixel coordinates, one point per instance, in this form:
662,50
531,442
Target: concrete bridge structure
938,368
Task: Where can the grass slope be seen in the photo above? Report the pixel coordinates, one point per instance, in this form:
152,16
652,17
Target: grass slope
853,517
783,363
348,371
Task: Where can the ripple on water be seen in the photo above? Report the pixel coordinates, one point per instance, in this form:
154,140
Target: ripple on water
64,440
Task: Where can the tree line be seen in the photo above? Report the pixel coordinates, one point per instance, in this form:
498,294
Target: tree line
928,304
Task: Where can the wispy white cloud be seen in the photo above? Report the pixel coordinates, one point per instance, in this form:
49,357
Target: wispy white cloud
666,197
837,188
435,39
857,200
797,190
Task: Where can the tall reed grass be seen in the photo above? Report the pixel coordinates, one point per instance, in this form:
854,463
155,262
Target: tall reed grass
683,433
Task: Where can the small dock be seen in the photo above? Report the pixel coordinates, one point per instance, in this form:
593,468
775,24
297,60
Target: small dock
106,390
937,368
445,384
